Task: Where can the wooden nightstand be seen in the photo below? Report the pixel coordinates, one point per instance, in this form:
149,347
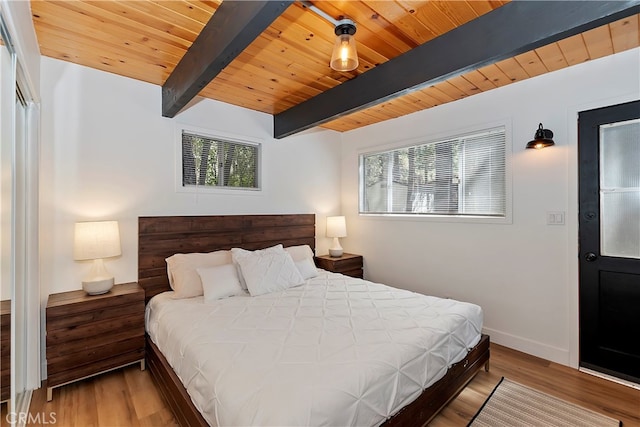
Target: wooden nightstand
92,334
349,264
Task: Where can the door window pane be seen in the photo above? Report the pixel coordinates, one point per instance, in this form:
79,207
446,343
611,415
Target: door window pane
620,189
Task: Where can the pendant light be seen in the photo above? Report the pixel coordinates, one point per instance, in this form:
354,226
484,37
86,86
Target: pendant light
344,56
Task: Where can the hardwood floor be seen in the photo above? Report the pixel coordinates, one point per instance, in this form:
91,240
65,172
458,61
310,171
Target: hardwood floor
128,397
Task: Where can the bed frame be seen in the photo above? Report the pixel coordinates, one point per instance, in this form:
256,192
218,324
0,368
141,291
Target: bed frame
163,236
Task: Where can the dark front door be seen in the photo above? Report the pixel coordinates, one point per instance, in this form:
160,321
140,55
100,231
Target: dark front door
609,181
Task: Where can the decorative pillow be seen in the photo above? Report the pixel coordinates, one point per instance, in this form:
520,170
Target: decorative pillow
298,253
237,253
220,282
269,271
307,268
302,256
184,278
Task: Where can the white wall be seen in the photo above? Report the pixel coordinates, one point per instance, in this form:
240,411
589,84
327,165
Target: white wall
107,153
20,26
523,274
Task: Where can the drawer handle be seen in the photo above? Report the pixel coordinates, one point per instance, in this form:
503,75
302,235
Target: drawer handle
466,363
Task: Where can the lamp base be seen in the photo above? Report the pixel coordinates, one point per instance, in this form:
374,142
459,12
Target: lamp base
336,253
336,249
98,287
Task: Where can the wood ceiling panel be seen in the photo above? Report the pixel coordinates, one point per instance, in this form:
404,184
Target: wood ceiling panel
531,63
574,49
209,5
552,57
145,16
154,14
513,70
106,59
479,80
197,11
464,85
598,42
625,33
495,75
76,43
288,63
68,21
450,90
458,12
406,22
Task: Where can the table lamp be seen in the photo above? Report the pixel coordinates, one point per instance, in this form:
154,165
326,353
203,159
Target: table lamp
97,240
336,228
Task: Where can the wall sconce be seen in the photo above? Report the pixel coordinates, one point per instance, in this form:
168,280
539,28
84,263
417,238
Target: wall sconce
336,228
344,56
543,138
97,240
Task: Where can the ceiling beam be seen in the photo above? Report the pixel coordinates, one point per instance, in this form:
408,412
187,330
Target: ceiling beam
514,28
233,26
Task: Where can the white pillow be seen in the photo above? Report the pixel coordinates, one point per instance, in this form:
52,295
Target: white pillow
302,256
237,253
300,252
270,271
184,278
220,282
307,268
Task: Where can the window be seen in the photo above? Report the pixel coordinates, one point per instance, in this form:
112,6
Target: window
459,176
218,163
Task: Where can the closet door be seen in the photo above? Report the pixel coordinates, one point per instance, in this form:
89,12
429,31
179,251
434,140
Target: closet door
7,216
19,270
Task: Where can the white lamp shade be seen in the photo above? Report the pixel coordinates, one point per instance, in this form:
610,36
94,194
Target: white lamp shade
94,240
336,226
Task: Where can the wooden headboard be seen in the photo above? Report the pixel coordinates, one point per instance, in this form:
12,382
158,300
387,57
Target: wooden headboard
160,237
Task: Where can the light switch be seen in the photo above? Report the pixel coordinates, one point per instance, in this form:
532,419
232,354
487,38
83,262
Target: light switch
555,218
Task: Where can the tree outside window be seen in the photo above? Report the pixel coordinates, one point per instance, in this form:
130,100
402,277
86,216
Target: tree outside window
218,163
457,176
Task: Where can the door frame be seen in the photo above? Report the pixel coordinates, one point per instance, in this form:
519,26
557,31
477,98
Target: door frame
573,231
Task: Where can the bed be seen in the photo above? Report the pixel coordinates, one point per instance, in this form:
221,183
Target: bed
161,237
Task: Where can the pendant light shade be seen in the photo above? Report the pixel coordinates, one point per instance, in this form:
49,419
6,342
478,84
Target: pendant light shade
543,138
344,56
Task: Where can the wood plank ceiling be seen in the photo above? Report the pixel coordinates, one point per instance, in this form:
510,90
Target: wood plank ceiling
288,63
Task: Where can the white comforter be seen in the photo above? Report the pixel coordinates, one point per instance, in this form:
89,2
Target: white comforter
336,351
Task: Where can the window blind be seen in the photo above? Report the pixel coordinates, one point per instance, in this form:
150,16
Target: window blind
211,162
462,175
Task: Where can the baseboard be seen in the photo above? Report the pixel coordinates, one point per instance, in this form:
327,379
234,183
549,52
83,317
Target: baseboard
535,348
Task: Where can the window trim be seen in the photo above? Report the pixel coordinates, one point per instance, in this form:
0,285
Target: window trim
225,136
435,137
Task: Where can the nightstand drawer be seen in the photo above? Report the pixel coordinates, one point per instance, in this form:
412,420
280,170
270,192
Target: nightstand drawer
87,317
90,307
348,264
80,372
106,330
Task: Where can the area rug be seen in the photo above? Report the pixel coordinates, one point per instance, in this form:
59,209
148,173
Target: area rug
514,405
